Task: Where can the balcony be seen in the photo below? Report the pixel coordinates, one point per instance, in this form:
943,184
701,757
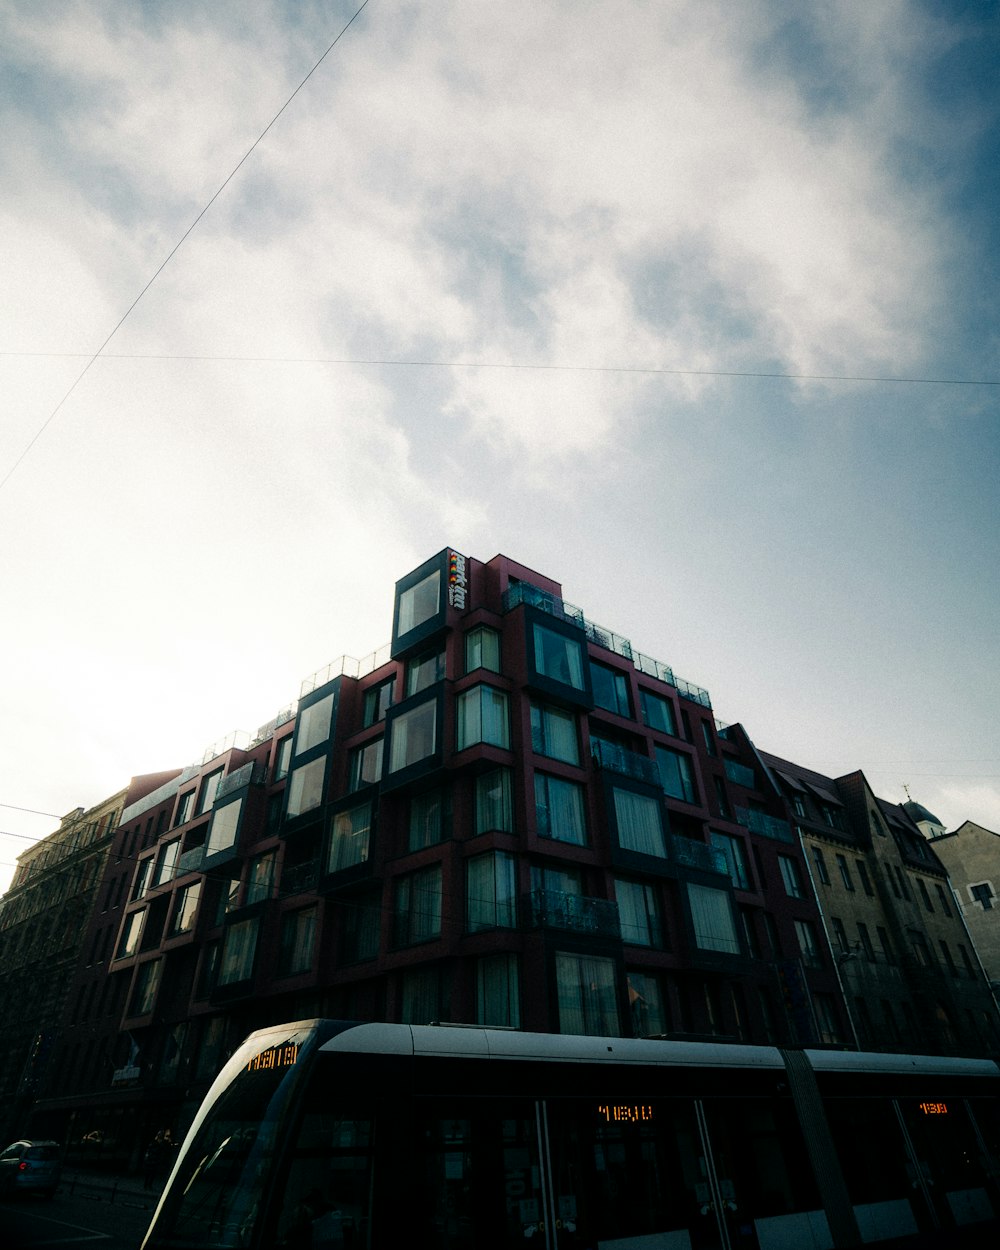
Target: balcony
300,878
618,759
697,855
553,909
190,861
767,826
253,773
739,774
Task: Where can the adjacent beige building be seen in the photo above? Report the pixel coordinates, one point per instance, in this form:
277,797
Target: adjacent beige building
972,856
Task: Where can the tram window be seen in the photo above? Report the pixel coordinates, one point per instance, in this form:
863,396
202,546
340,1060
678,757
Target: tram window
870,1148
325,1199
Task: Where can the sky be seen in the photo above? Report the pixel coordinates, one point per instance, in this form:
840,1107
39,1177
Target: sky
690,305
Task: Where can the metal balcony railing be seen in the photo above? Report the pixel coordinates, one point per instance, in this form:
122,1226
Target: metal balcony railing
554,909
346,666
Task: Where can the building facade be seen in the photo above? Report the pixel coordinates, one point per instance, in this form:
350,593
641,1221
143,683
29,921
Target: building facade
971,856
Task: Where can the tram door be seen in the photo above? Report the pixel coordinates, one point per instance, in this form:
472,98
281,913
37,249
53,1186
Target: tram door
950,1164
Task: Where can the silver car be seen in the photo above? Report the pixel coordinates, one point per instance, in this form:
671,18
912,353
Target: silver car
30,1166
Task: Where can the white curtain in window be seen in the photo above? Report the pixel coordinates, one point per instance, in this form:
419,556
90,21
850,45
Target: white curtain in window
414,736
559,809
712,917
588,1003
490,892
349,837
497,992
640,827
493,801
637,913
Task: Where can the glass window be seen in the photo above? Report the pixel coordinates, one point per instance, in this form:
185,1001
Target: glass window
313,725
424,671
866,881
845,872
676,774
305,787
839,934
735,852
260,878
942,898
186,908
494,812
924,895
820,862
417,907
639,912
647,1005
658,712
553,733
791,877
147,982
424,996
866,942
413,736
366,765
482,715
378,700
712,917
559,809
557,657
238,949
429,819
184,805
362,928
498,992
225,826
350,833
640,823
588,1003
298,936
808,946
282,758
143,876
209,787
482,649
131,933
610,689
489,892
166,862
419,603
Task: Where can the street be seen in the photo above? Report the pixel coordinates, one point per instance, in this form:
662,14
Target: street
78,1217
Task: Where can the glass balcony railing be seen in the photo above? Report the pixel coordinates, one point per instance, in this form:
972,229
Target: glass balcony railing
626,763
554,909
739,774
190,861
697,855
252,773
299,878
767,826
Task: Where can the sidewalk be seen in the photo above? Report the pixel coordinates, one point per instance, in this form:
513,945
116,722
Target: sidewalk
122,1189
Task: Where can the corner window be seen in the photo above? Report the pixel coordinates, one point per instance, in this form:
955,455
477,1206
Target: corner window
791,877
712,918
494,810
657,713
238,949
482,715
313,725
428,819
558,657
553,733
498,992
419,603
489,892
424,671
298,935
416,909
610,689
676,774
413,735
225,827
639,912
377,702
365,765
588,1003
305,788
735,852
559,809
350,833
482,649
640,823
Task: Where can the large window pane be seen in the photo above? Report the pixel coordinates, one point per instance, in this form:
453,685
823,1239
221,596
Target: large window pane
362,928
736,857
791,876
558,657
225,827
314,724
424,996
417,907
147,982
186,908
424,671
305,787
676,774
639,913
610,689
553,733
497,992
208,791
482,649
482,717
260,879
238,950
428,819
366,765
712,916
640,823
493,802
588,1003
489,892
378,700
559,809
419,603
129,943
413,736
658,712
647,1005
298,934
350,833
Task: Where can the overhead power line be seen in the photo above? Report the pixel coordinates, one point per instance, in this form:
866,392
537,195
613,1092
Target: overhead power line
173,251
